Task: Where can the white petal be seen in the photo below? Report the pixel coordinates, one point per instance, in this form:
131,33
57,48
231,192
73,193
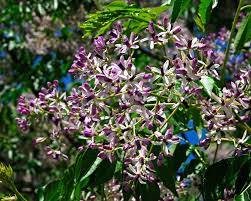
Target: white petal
165,66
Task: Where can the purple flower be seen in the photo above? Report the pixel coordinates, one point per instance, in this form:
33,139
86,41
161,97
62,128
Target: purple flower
88,132
99,43
112,72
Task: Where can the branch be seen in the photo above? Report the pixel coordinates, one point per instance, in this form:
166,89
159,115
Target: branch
229,42
150,54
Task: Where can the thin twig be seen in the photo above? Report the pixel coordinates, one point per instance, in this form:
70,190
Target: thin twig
242,123
169,117
150,54
216,152
229,42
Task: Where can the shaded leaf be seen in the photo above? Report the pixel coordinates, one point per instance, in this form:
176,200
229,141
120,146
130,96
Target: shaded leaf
149,192
194,114
179,7
244,33
105,28
127,194
190,168
103,173
84,161
92,169
226,173
168,170
243,178
68,181
176,9
53,191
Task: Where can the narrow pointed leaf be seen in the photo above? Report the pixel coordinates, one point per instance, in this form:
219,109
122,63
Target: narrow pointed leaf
243,34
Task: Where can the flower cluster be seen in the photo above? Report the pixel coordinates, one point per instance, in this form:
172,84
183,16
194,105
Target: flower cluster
217,42
120,108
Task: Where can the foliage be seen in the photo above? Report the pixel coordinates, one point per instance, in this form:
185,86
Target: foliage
231,173
101,21
148,114
32,44
244,33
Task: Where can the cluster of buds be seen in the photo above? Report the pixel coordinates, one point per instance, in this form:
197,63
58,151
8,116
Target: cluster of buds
122,108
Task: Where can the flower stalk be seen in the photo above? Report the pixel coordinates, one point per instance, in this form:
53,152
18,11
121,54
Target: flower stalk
224,66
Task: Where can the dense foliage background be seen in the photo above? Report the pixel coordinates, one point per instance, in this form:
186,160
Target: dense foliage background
38,42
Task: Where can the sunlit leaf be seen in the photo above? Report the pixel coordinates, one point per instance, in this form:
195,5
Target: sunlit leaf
101,21
205,8
208,84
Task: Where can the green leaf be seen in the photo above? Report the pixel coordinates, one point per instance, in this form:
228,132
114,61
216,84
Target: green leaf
176,9
208,84
156,11
92,169
227,173
116,5
105,28
179,7
84,162
6,175
240,197
100,22
168,170
205,8
194,114
149,192
199,23
68,181
185,6
76,176
246,195
244,33
136,26
215,3
243,178
55,4
127,194
217,90
192,167
41,9
103,173
53,191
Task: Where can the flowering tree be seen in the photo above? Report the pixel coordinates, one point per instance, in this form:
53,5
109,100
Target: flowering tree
129,122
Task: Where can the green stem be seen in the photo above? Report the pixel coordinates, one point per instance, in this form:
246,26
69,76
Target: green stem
229,42
150,54
153,104
167,119
199,156
103,196
159,96
19,195
216,152
245,7
242,123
